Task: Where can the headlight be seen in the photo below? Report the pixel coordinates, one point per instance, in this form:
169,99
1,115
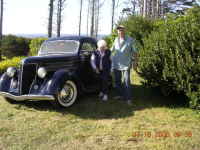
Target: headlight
42,72
11,71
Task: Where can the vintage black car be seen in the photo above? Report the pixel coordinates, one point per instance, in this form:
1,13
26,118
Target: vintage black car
59,73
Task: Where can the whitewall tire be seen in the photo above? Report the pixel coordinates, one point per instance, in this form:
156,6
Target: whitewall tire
67,94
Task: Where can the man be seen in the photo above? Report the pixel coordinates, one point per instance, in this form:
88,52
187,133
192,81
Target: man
122,55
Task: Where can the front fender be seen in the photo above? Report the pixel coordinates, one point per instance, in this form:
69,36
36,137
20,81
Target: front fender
57,80
5,82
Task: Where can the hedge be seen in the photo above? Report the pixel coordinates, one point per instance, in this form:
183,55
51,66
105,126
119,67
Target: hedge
35,45
170,57
12,46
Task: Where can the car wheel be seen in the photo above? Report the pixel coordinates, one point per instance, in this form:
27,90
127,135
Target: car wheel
67,94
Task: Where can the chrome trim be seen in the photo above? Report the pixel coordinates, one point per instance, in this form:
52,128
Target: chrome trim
20,77
27,97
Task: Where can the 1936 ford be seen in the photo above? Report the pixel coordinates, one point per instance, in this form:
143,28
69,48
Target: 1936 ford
59,73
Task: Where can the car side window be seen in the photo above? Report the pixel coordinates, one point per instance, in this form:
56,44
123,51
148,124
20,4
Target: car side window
88,46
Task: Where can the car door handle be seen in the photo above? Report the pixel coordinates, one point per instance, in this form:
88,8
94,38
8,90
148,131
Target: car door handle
82,58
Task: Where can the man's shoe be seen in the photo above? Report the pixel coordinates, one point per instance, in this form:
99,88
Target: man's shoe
117,97
105,97
129,102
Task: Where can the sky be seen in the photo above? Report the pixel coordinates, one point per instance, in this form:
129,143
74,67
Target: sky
31,17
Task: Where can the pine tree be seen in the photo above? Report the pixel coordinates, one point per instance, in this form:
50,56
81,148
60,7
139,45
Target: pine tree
178,6
50,19
1,23
60,8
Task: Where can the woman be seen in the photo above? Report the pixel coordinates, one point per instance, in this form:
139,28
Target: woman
101,63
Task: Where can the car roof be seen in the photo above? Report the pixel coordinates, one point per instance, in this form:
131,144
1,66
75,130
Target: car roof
76,38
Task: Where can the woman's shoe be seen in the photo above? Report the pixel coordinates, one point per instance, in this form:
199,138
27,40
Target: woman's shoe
129,102
105,97
101,94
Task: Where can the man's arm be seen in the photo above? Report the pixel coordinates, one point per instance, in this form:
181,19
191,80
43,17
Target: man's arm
135,56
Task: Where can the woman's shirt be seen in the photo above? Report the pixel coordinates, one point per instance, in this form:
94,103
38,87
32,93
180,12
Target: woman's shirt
101,60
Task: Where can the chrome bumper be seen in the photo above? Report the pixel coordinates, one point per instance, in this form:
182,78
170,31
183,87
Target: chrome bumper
27,97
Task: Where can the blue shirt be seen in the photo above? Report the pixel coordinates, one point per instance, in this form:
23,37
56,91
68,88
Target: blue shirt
122,53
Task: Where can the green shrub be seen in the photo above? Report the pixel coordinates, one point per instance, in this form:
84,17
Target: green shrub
138,27
110,39
170,57
35,45
12,46
14,62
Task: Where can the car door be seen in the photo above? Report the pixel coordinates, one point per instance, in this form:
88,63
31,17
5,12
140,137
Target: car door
88,76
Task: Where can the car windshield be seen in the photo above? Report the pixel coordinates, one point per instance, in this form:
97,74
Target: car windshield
59,47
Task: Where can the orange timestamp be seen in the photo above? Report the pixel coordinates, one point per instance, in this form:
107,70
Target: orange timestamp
162,134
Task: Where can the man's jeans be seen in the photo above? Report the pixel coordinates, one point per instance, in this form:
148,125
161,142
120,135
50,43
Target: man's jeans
122,83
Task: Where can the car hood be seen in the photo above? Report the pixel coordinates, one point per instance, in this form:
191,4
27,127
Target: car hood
49,59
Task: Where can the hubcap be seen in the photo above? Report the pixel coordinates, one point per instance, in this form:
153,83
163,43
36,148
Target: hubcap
67,94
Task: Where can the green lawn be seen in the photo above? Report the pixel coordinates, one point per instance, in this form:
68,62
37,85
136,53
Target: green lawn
152,123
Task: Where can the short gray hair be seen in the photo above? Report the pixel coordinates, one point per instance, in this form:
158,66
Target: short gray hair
101,43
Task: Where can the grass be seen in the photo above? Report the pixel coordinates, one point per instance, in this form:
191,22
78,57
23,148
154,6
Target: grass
154,122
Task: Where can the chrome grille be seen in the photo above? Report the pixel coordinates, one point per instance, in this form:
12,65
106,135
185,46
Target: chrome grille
28,73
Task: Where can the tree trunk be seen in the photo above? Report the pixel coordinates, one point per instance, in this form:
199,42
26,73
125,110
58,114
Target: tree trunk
134,6
141,5
60,8
97,18
153,9
157,8
51,5
80,18
1,25
58,17
88,14
113,15
92,19
1,21
145,8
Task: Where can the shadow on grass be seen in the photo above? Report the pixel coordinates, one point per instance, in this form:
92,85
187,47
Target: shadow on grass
152,97
89,106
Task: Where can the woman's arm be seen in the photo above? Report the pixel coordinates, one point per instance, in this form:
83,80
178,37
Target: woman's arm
93,64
